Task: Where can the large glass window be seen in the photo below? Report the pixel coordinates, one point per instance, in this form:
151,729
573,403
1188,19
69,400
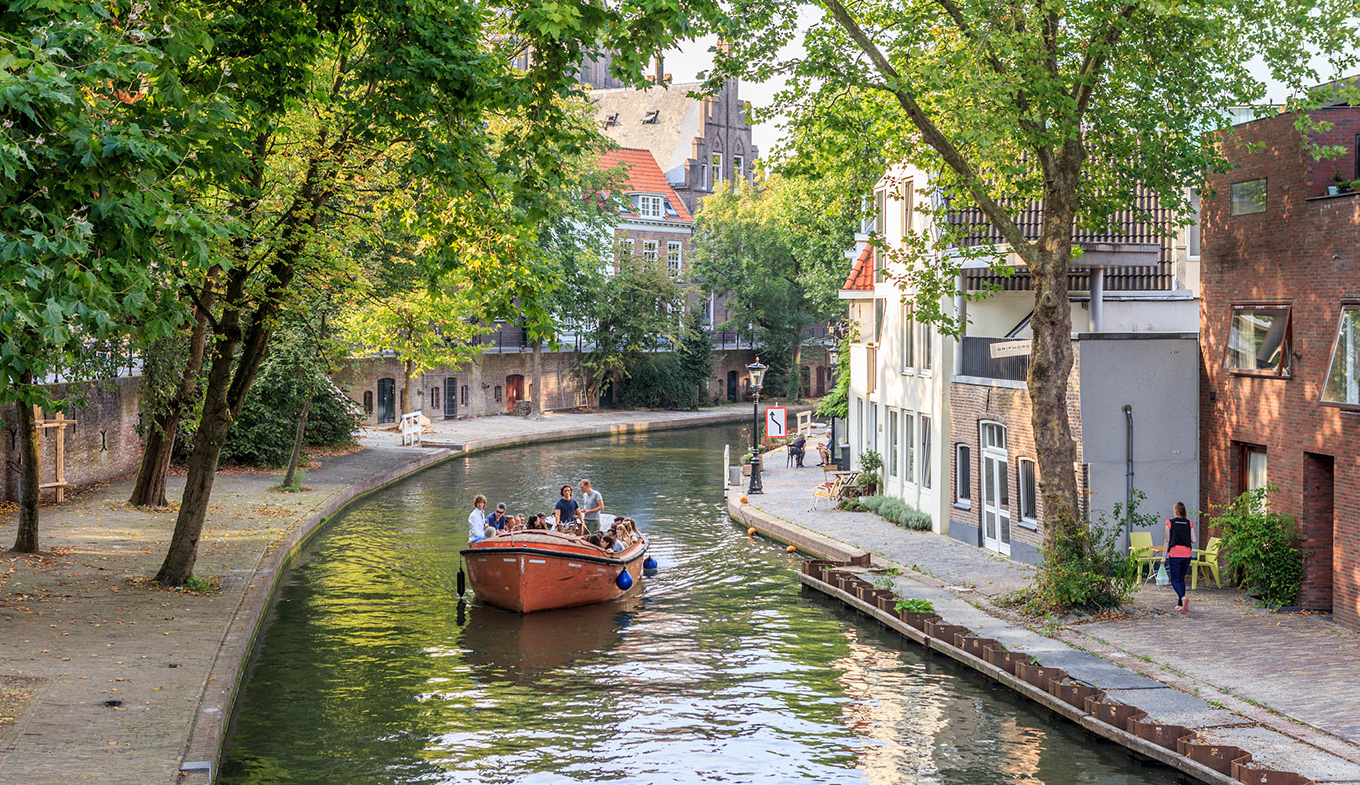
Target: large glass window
909,446
715,171
908,340
881,211
908,197
673,257
738,168
1343,375
1028,498
892,442
649,250
1258,340
927,450
649,206
925,333
1249,197
963,474
880,308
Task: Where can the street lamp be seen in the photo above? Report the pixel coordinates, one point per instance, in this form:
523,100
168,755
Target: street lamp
757,372
833,356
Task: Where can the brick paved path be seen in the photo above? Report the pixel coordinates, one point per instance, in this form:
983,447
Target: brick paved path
79,629
1297,673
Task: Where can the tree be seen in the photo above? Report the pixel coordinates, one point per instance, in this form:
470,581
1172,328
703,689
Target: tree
335,95
91,148
1074,103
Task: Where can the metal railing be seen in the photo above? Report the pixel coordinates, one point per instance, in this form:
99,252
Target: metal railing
978,360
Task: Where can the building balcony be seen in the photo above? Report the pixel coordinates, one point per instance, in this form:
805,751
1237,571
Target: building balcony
978,361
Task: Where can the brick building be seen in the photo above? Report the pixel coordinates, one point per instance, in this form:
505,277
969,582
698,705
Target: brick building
1280,338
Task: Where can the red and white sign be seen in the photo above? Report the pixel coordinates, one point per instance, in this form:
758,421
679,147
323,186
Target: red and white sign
776,422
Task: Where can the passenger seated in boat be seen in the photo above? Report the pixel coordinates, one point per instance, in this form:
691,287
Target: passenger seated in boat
596,539
612,543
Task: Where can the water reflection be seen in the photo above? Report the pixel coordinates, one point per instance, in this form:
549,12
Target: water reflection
722,670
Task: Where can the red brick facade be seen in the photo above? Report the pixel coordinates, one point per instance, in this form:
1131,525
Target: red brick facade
1303,252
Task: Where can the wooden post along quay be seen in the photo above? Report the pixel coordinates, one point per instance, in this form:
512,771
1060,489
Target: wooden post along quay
59,483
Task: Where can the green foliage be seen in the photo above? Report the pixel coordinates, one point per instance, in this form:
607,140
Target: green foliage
837,402
1086,568
870,479
897,511
1261,547
851,504
633,312
299,478
914,606
658,381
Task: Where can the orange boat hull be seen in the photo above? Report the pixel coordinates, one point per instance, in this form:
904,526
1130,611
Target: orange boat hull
542,570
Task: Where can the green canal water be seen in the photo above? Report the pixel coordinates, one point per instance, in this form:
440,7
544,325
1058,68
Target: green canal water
723,671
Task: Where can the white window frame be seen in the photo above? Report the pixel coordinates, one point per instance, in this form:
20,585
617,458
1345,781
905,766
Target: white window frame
892,442
650,250
651,206
630,246
927,472
738,168
1342,383
924,354
908,201
1284,367
714,171
1028,493
673,257
963,476
881,212
909,446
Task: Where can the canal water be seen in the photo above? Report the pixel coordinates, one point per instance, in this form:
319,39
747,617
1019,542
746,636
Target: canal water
724,670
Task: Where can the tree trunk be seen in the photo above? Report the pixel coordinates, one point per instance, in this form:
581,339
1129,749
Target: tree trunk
536,391
149,490
405,386
297,442
29,473
796,379
1050,369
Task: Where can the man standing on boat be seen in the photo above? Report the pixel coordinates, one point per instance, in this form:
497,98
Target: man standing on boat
477,520
567,510
591,504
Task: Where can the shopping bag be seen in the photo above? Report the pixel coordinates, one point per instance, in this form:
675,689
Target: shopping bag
1163,578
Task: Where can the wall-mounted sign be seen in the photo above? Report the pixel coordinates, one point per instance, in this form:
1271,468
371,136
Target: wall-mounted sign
1010,349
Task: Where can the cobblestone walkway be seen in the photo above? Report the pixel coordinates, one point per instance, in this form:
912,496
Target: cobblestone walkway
103,674
1297,673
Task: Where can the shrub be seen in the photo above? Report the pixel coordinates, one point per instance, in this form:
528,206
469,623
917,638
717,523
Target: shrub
660,381
898,511
263,434
1261,547
868,483
914,606
1085,568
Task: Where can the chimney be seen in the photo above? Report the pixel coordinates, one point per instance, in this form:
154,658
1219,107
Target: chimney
659,77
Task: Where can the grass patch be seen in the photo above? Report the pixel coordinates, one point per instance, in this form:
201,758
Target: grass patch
897,511
199,587
299,477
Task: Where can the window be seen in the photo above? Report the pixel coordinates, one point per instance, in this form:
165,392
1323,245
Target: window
892,446
1252,467
925,331
994,435
1192,231
649,250
612,120
859,424
963,475
908,340
368,401
1343,375
880,211
673,257
908,201
715,171
498,396
909,446
873,426
652,117
1249,197
1259,340
738,168
880,308
1028,501
649,206
462,393
629,247
434,398
927,475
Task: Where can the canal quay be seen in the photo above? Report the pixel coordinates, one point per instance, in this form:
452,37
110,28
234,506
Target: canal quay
365,669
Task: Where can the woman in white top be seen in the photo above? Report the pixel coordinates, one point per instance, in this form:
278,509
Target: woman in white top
477,519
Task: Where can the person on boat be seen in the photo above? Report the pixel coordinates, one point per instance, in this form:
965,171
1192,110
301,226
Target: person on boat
592,502
596,539
498,519
477,519
567,510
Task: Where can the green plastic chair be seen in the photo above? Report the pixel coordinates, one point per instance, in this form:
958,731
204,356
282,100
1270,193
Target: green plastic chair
1141,547
1206,559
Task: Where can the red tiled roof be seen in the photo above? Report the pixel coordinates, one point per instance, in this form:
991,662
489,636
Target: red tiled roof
644,175
862,274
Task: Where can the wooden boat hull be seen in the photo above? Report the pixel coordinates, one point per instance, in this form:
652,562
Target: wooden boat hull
540,570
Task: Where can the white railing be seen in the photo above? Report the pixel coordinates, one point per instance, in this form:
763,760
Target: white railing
410,428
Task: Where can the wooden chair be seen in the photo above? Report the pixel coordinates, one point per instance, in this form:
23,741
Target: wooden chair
829,490
1206,559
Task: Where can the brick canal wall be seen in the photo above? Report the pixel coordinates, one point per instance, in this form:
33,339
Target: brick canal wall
103,443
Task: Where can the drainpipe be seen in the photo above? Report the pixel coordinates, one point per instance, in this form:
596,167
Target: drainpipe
1097,299
1128,473
960,313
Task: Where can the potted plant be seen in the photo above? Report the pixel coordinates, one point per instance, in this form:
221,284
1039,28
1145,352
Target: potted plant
870,463
1340,184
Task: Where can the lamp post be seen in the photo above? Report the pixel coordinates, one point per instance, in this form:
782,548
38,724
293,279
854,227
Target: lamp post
757,372
833,356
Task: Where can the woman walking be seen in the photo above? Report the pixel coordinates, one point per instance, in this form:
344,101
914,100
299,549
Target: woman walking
1180,542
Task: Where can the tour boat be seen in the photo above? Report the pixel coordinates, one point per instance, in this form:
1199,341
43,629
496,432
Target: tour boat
539,570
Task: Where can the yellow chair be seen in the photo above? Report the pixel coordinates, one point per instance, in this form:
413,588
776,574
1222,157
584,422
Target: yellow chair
1141,548
1205,559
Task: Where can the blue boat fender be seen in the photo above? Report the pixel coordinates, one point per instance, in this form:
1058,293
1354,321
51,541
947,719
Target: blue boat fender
624,581
649,564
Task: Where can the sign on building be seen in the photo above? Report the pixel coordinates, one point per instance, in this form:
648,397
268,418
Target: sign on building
776,422
1010,349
